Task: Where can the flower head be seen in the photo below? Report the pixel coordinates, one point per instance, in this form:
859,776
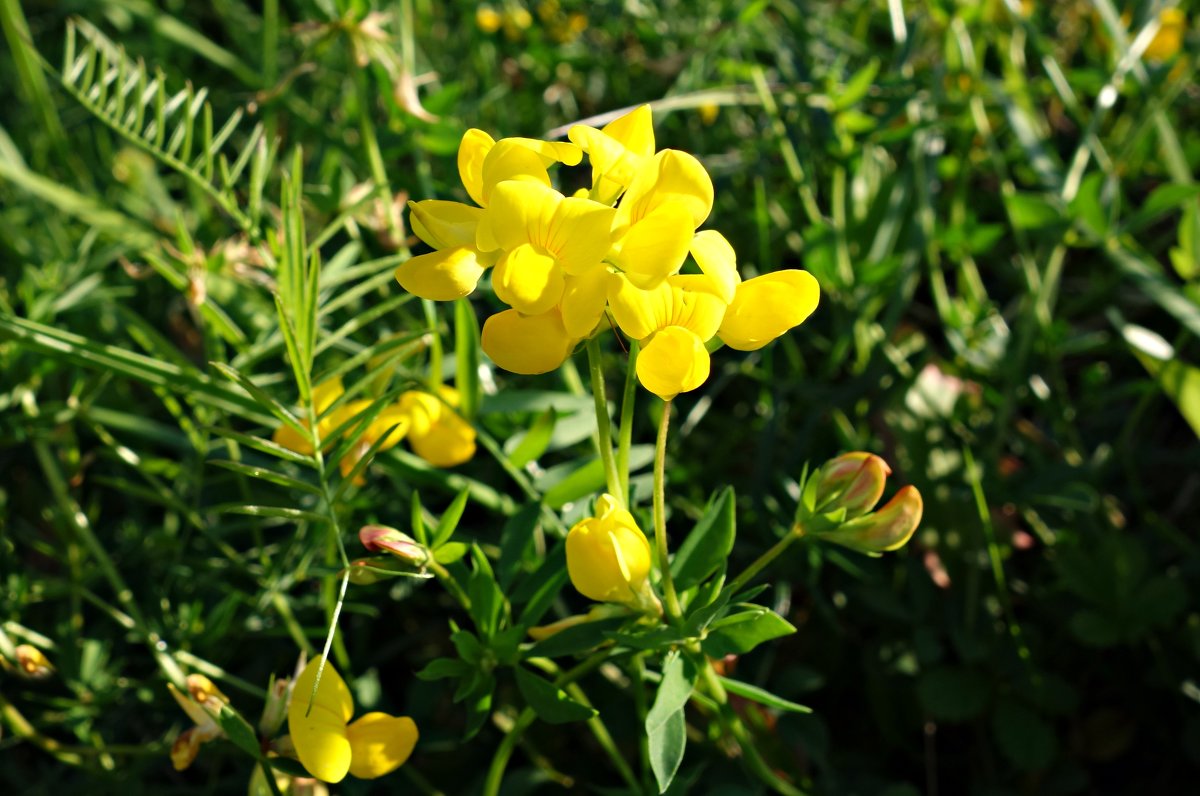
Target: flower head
608,557
329,745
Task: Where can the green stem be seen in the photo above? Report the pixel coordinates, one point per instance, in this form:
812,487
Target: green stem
660,516
495,774
269,776
600,731
763,561
625,431
603,431
450,583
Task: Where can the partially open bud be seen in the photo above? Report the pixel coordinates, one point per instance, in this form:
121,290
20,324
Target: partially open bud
32,663
887,529
275,709
608,557
185,748
853,481
384,539
206,694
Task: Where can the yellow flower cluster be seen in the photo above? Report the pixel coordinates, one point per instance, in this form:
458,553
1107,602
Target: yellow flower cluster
434,430
560,262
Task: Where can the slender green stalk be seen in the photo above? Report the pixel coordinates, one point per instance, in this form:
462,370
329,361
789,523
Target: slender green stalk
638,673
763,561
449,583
604,738
269,776
625,430
660,515
603,430
495,774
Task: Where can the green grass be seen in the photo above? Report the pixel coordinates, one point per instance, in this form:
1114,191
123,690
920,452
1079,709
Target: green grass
1002,216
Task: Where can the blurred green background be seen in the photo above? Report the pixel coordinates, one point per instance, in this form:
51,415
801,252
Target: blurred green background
997,198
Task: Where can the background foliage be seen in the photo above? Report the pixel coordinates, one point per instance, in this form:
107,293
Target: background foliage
998,203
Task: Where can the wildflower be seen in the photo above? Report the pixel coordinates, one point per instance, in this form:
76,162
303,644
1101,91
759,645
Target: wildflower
436,432
708,112
617,151
203,704
487,19
384,539
329,745
608,557
1172,25
32,663
767,306
889,528
853,481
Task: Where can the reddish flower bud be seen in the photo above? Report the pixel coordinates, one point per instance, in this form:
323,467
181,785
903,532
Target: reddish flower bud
383,539
853,481
887,529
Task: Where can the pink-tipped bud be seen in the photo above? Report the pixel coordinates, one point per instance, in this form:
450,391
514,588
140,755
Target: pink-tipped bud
853,481
382,539
887,529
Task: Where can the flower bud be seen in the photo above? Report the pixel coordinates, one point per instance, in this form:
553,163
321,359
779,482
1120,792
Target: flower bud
275,709
883,530
185,749
383,539
32,663
608,557
206,694
853,481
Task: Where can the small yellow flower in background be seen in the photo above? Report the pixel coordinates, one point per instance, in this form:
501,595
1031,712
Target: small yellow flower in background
202,705
709,112
329,745
435,431
1172,25
608,557
487,19
32,664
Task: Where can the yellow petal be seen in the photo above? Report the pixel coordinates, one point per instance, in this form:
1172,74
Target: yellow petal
579,235
527,343
472,150
551,151
767,306
671,176
718,261
449,442
528,282
292,439
635,130
521,212
444,225
380,744
442,275
326,393
639,313
583,302
422,410
608,557
510,159
674,361
700,312
613,165
394,415
320,737
656,246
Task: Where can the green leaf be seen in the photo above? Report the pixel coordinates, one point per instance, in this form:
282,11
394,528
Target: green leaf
550,702
538,592
1030,211
665,724
443,668
707,547
1178,380
279,512
742,632
1024,737
1163,200
953,694
857,86
762,696
450,552
575,640
466,359
487,601
266,475
516,543
449,521
261,397
263,445
239,731
535,441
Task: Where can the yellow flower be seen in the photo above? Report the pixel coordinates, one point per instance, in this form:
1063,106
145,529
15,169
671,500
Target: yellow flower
1172,25
487,19
617,151
709,112
672,323
324,395
32,663
765,307
608,557
453,229
528,344
329,745
436,432
202,705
